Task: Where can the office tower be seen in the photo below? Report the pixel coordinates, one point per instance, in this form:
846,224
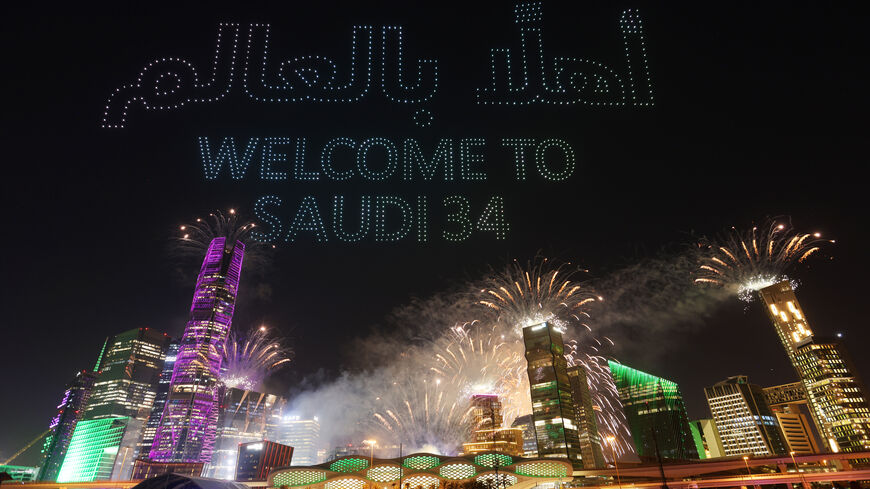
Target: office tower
787,402
129,375
707,440
256,459
93,450
656,413
120,402
552,402
303,434
188,426
244,417
745,422
836,397
159,400
530,444
584,413
69,412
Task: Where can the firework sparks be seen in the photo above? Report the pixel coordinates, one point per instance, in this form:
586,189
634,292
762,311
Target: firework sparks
485,358
749,260
249,359
537,293
544,292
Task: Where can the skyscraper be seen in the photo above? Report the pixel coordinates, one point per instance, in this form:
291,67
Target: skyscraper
62,426
159,399
745,422
303,434
189,422
836,397
245,417
104,444
584,413
656,413
552,401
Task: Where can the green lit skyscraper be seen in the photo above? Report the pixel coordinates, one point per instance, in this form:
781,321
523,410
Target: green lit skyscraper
553,411
104,444
656,413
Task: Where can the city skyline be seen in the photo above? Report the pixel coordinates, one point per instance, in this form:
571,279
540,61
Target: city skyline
647,181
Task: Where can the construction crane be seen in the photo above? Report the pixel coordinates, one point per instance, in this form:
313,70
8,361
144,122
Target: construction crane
19,452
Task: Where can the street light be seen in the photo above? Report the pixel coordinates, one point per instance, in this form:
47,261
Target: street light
610,441
746,462
800,474
371,444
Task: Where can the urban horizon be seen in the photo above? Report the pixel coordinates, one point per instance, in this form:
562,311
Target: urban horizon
494,244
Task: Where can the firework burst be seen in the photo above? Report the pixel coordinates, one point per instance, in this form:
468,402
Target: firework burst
545,292
539,292
249,359
484,358
422,411
749,260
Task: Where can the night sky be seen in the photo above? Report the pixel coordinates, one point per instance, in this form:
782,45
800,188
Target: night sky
760,111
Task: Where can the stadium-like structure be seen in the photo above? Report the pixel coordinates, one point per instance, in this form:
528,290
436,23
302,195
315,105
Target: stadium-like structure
424,471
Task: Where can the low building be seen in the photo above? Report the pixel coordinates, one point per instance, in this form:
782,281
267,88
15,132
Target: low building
145,469
256,460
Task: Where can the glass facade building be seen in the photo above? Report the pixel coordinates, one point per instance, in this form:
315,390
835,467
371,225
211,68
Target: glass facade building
159,400
245,417
836,397
93,450
656,413
745,422
62,426
303,434
120,402
556,429
587,426
188,425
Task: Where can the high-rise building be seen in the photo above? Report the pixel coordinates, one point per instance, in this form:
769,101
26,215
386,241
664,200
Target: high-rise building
707,440
244,417
487,433
256,459
120,402
93,450
530,444
656,413
745,422
836,397
129,375
69,412
552,401
584,413
159,400
188,425
787,402
303,434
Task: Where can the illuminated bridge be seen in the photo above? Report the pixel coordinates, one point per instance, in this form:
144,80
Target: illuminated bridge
423,470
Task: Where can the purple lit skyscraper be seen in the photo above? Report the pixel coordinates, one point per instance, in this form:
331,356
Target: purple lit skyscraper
188,426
